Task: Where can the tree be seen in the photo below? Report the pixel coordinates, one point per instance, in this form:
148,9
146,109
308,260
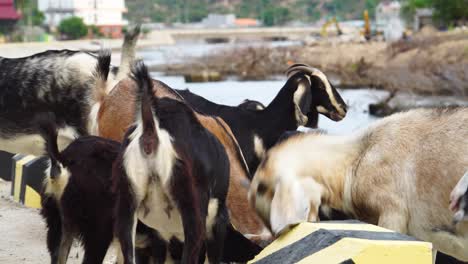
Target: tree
450,12
37,17
73,27
409,8
276,16
30,13
445,12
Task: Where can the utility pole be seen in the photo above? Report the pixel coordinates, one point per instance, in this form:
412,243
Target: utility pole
95,12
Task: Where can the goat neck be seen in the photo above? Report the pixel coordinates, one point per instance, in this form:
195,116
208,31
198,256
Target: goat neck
281,114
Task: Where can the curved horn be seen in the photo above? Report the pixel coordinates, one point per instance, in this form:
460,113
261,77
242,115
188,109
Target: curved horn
298,67
295,68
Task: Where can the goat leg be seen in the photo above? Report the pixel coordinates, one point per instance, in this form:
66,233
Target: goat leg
215,241
125,232
65,245
192,208
51,213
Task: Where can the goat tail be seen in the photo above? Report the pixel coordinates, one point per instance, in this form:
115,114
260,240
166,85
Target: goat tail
101,73
144,105
48,130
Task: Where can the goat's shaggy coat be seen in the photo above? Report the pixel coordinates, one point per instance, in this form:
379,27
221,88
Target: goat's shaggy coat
398,174
306,92
58,81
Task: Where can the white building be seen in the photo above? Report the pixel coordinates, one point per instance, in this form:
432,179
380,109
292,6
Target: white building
388,20
219,20
105,14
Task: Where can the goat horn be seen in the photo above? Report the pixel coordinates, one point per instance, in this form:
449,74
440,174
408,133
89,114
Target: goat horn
293,68
310,70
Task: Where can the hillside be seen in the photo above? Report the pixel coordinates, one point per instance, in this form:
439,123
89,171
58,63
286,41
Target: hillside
271,12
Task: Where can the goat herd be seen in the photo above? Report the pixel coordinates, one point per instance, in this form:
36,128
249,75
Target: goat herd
166,175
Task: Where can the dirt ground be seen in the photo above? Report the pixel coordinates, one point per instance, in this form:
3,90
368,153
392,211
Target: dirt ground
23,234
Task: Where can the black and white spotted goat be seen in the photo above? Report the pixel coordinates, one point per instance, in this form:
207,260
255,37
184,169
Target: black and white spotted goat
306,93
57,81
173,176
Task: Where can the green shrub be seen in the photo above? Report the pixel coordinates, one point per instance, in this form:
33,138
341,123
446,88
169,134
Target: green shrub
73,28
95,30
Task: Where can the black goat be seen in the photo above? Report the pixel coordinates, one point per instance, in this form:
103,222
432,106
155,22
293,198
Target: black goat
77,200
173,175
251,105
306,92
57,81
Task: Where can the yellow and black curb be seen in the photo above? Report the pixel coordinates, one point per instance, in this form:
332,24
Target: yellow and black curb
27,175
344,242
5,165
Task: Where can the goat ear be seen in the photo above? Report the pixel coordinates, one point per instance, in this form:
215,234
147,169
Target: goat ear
302,101
289,207
460,189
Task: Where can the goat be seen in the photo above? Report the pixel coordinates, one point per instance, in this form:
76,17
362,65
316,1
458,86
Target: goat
459,199
57,81
306,92
251,105
115,116
173,174
397,174
77,201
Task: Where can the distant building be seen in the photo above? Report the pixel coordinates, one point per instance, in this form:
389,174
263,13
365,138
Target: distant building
246,22
8,15
227,20
105,14
219,20
422,17
388,20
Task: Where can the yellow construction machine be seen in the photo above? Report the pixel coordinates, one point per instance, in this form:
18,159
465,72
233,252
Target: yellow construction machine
324,31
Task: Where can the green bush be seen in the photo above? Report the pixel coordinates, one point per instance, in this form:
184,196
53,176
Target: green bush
73,28
96,32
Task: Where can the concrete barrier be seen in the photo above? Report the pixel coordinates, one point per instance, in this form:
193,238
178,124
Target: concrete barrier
5,165
344,242
27,175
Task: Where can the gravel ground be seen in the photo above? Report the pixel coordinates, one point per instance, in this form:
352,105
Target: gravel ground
23,234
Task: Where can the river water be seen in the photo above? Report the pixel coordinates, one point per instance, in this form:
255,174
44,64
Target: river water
233,92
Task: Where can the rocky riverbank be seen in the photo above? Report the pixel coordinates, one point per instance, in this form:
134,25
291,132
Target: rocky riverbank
429,62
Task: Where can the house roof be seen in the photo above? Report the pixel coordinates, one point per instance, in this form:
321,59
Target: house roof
8,11
246,22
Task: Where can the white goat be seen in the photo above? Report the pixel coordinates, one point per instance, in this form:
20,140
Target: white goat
398,173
